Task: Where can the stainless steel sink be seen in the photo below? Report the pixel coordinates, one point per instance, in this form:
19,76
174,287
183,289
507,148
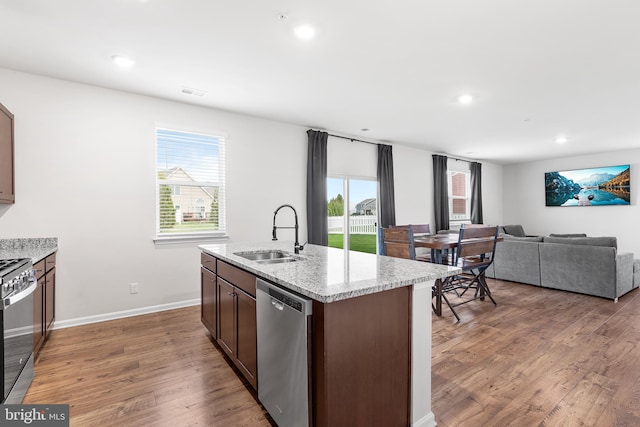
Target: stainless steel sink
267,256
276,260
263,255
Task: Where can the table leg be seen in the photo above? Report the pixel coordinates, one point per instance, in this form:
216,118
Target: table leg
439,297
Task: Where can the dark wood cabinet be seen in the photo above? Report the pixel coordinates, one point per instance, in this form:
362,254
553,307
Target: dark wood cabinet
362,347
38,312
44,301
49,301
208,295
7,186
237,334
232,309
246,331
227,317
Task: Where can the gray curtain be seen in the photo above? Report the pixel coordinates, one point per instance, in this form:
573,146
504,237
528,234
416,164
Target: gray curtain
476,193
387,205
440,192
317,228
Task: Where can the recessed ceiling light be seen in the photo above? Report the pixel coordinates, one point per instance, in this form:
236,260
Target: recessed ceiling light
465,99
561,139
192,91
122,61
305,32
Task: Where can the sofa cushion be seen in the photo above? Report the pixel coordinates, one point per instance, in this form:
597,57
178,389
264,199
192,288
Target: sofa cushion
514,230
588,241
568,235
521,239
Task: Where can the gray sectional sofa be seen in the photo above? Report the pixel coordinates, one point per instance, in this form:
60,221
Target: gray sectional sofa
573,262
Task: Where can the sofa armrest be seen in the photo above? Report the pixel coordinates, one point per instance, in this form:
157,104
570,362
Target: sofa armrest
624,273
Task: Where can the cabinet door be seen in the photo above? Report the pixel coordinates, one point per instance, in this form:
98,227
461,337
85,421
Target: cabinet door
38,315
247,354
208,300
227,317
49,300
6,156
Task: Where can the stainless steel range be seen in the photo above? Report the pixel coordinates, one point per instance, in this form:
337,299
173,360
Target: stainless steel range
18,282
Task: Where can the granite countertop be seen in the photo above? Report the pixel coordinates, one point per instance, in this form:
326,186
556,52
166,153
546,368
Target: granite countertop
329,274
36,249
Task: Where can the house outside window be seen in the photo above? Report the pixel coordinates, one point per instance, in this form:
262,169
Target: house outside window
190,184
200,209
459,184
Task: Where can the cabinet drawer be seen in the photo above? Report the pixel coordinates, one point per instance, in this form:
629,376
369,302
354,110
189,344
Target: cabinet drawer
50,262
238,277
208,262
39,267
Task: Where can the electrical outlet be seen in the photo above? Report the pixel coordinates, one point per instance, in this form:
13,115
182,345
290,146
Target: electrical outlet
133,288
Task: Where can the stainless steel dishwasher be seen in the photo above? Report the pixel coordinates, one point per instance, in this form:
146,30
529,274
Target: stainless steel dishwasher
283,359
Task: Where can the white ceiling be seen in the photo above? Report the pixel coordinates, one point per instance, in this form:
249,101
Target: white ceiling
538,68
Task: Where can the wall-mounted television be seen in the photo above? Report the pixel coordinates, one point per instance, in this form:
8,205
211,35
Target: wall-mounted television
607,185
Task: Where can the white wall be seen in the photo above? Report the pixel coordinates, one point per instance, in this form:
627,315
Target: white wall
413,176
85,173
524,201
351,158
85,168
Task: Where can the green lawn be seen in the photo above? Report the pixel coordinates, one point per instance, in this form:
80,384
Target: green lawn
191,226
359,242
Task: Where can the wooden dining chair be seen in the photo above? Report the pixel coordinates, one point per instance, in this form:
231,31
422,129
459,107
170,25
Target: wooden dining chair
398,242
418,229
473,254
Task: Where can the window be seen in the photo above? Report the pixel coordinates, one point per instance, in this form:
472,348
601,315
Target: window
352,213
189,184
459,184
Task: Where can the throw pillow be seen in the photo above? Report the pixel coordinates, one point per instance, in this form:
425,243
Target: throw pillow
521,239
514,230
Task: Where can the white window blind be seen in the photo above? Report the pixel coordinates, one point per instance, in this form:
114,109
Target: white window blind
190,186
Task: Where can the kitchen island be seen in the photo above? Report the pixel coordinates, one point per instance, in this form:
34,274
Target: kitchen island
370,329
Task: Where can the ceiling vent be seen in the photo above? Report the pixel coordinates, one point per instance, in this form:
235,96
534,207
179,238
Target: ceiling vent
192,91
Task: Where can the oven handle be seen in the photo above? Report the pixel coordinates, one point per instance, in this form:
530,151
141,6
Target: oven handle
20,295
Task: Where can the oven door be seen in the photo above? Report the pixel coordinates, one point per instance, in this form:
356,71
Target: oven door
17,327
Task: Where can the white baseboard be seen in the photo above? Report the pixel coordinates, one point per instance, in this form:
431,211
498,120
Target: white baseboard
428,420
122,314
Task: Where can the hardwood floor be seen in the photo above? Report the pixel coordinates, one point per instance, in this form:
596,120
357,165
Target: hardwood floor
540,358
159,369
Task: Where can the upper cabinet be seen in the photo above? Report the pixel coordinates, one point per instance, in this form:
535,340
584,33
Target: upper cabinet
7,192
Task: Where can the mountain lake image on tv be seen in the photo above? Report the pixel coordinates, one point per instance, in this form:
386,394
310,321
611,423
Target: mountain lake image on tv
588,187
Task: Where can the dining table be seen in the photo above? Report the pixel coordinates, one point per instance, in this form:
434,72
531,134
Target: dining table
441,245
438,243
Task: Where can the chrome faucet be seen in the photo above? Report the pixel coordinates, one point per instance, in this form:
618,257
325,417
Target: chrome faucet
297,247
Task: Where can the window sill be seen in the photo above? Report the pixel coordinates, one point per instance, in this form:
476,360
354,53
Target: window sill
191,238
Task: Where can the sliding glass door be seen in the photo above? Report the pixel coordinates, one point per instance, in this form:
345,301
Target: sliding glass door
353,214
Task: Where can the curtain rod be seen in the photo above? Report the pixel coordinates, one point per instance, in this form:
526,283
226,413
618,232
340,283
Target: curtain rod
462,160
355,139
